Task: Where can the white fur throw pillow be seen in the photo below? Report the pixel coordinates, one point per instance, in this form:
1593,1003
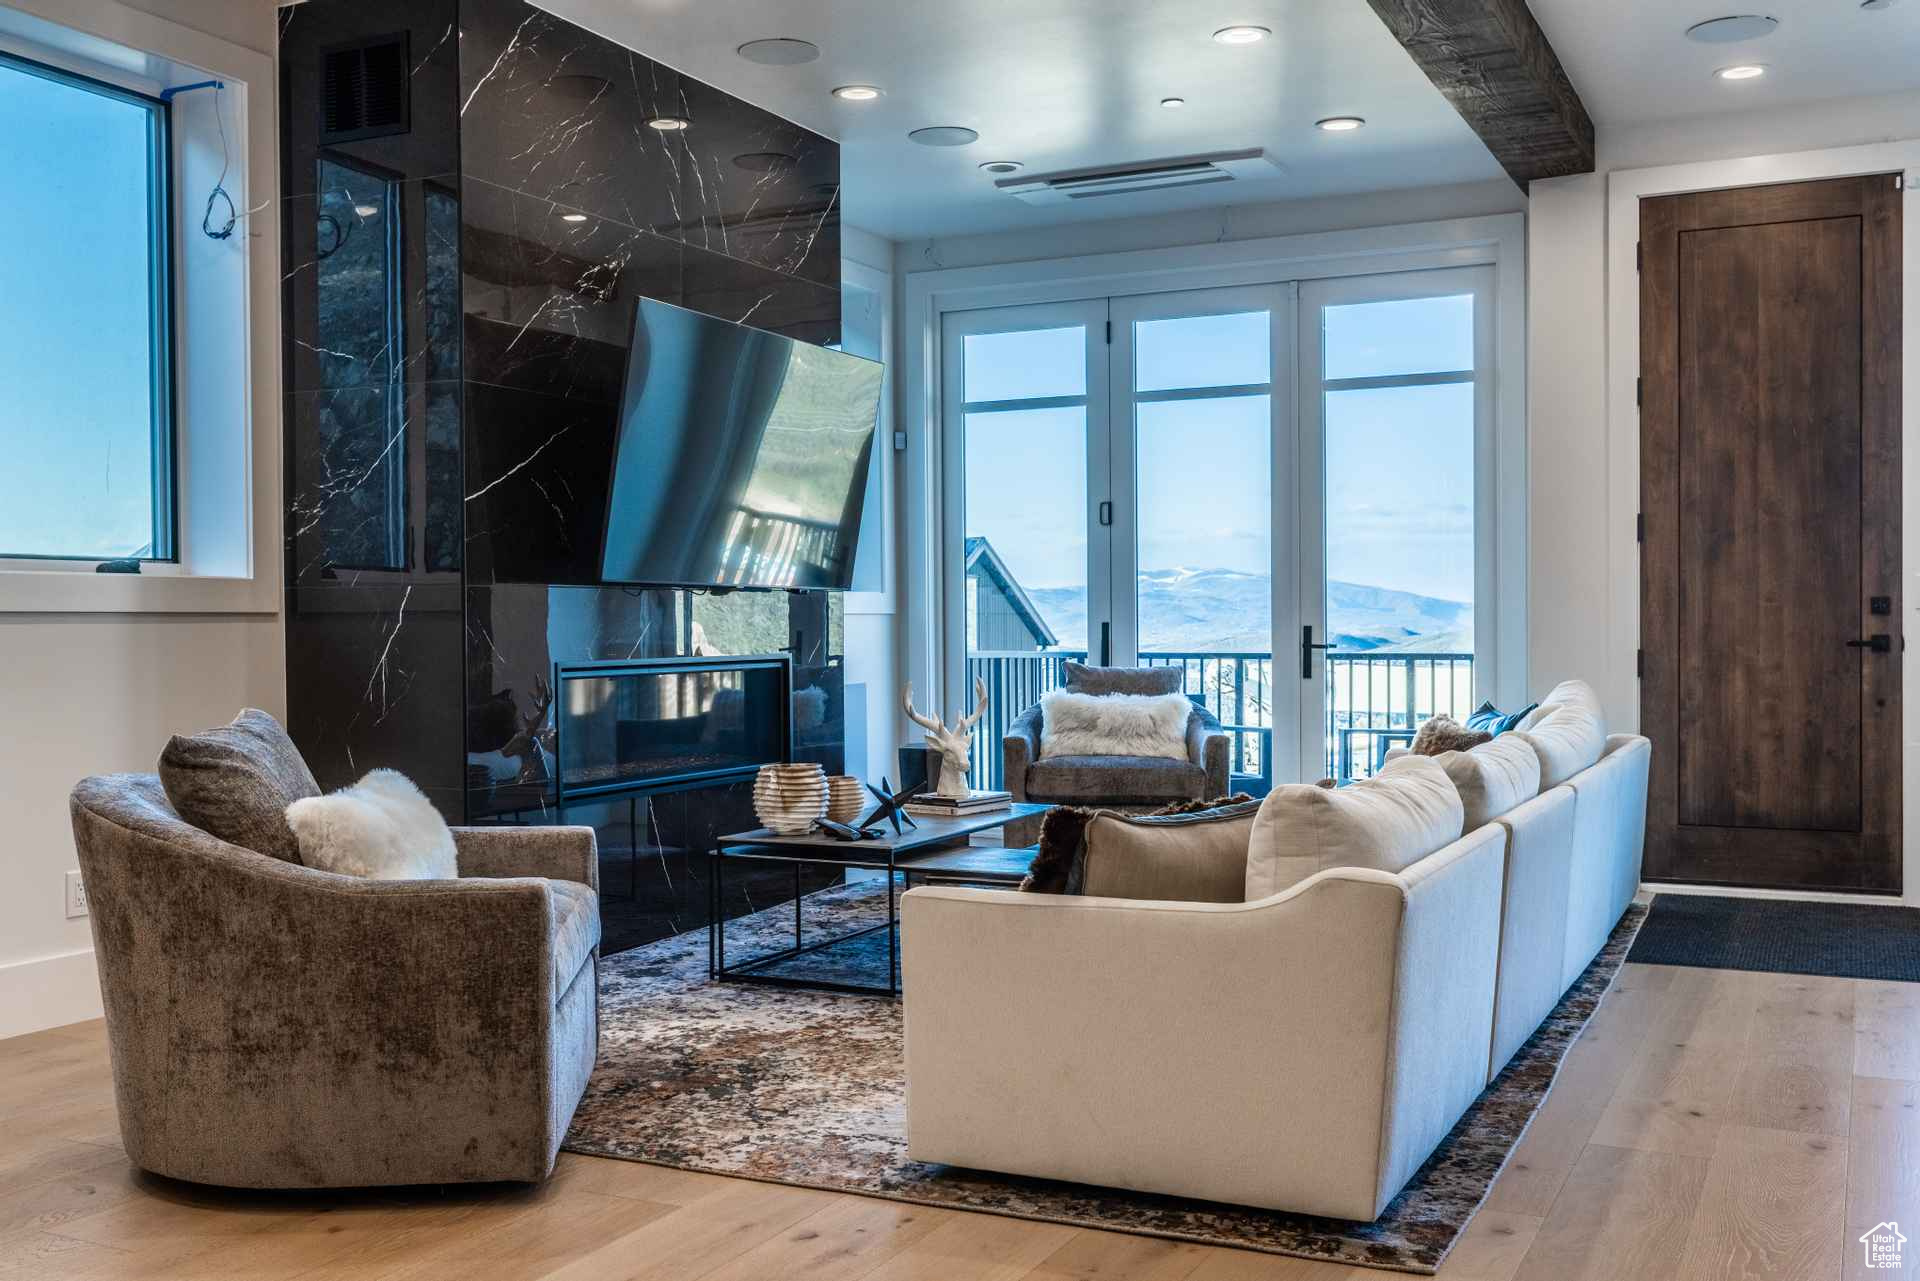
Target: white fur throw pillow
1074,724
381,828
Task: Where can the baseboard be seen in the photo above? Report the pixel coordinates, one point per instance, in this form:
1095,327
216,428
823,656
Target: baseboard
48,991
1797,896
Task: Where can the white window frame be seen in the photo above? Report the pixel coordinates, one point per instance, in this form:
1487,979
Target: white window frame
226,523
1498,241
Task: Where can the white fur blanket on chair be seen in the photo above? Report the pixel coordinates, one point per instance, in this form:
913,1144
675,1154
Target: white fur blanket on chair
1073,724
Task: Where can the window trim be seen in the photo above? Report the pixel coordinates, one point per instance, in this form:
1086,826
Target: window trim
162,314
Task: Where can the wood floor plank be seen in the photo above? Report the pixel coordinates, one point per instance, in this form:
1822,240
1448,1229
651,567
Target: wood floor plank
1886,1027
1247,1265
1109,1256
1492,1247
47,1256
1883,1170
848,1236
973,1248
1771,1210
1623,1215
697,1238
1797,1073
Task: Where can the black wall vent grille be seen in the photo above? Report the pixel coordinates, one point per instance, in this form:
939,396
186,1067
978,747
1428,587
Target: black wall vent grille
364,89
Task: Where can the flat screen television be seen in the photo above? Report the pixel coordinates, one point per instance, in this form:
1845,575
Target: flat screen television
740,457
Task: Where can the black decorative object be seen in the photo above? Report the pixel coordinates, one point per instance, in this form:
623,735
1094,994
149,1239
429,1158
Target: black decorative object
890,803
919,767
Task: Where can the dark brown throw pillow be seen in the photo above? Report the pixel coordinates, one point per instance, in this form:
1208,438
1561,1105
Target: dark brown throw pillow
1084,679
1445,734
236,782
1056,862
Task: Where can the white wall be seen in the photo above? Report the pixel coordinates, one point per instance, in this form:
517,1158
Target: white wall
1573,601
95,693
872,621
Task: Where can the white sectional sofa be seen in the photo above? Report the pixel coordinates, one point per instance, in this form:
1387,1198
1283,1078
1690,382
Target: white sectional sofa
1303,1051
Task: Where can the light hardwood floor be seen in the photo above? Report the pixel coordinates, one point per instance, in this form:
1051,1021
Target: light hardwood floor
1709,1126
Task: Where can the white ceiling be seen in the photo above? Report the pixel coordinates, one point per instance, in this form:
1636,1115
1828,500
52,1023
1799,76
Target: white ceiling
1631,63
1061,84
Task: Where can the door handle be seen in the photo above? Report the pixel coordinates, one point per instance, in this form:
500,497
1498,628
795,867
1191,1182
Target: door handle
1879,643
1306,652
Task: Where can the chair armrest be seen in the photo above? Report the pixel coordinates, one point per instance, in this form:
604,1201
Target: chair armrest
1210,747
1020,749
557,853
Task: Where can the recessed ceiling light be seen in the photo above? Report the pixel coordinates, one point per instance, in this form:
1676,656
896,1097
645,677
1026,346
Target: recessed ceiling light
944,136
669,124
573,217
1745,71
1241,35
1003,166
1339,124
366,211
781,51
857,93
1173,103
1732,29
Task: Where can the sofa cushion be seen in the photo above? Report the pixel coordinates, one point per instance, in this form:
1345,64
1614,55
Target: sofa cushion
382,828
1075,724
1115,780
1388,822
1580,694
575,912
236,782
1123,680
1492,778
1191,858
1567,738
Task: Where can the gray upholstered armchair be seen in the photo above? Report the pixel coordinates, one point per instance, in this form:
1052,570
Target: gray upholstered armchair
1125,783
272,1025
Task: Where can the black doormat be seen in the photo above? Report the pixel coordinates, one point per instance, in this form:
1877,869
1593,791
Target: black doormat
1779,936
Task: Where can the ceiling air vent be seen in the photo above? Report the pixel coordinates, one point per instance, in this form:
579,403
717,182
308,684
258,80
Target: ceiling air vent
364,89
1153,175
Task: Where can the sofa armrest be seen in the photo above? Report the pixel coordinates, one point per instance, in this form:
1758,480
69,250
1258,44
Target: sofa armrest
1210,747
1020,749
556,853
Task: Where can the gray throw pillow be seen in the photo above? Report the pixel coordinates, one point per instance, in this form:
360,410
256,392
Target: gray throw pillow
1083,679
236,782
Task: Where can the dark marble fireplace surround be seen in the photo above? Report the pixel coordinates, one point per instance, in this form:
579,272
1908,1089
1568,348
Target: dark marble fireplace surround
461,272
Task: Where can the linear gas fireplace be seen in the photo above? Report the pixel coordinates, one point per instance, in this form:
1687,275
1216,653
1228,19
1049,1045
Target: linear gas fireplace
667,724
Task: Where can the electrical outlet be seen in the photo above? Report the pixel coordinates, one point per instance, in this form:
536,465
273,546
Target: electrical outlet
76,896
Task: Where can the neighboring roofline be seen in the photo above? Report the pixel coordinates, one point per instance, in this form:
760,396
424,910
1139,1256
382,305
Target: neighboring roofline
978,548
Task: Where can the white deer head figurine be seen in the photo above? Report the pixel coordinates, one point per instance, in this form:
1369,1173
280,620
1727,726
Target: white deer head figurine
954,745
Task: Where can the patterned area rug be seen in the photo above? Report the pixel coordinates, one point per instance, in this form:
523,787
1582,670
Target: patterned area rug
809,1088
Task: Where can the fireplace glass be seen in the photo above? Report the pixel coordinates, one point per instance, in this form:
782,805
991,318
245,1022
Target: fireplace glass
667,723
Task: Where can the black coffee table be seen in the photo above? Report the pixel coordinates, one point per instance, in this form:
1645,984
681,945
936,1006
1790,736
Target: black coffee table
936,850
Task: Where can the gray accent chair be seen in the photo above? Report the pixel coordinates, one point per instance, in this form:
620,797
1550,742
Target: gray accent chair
276,1026
1130,784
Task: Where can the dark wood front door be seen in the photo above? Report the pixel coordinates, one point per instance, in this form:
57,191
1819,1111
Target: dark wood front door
1770,563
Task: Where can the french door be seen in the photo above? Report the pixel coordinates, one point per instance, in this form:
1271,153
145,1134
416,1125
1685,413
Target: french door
1169,479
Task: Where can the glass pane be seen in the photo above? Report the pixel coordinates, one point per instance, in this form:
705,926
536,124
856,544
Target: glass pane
1026,563
1400,566
1204,536
1026,363
1232,350
1403,336
77,308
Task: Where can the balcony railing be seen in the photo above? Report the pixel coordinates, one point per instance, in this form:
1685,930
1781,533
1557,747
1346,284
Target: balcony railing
1373,700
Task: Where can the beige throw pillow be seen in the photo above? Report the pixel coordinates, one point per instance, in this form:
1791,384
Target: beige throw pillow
1568,738
1192,858
1492,778
1389,822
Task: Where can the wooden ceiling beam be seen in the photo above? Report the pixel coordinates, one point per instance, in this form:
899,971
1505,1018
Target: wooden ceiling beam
1490,59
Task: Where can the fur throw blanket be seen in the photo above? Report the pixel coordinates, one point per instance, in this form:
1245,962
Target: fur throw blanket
1074,724
1445,734
1056,863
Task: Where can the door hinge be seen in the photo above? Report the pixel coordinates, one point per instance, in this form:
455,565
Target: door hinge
1640,663
1640,527
1109,333
1639,256
1639,392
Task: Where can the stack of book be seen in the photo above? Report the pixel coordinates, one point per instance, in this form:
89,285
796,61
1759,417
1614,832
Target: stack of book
929,805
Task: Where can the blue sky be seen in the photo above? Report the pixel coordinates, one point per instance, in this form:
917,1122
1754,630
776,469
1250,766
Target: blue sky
75,415
1399,461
